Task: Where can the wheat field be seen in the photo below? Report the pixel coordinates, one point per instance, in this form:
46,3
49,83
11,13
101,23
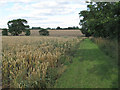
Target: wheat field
72,33
29,61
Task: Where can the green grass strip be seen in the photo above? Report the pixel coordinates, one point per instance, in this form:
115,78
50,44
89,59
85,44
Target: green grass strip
91,68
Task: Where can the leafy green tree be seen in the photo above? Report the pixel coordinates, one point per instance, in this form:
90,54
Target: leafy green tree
101,19
44,32
4,32
17,26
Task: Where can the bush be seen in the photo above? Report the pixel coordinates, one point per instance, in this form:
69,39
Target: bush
5,32
44,32
27,33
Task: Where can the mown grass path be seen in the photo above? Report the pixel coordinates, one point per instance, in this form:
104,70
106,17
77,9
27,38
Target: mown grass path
91,68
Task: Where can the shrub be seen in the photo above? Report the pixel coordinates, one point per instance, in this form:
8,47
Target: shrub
44,32
27,33
5,32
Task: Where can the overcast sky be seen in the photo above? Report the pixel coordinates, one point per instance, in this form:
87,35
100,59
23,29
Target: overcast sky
42,13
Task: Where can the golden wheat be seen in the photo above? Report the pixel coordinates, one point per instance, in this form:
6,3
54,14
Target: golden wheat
27,59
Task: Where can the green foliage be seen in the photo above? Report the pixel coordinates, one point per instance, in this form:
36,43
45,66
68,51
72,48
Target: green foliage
36,28
27,33
17,26
44,32
68,28
58,27
5,32
48,28
101,19
73,27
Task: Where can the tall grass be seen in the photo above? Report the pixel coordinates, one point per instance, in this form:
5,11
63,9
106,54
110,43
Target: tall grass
29,62
110,47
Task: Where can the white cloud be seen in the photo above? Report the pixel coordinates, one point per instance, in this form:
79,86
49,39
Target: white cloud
16,7
17,1
44,13
45,4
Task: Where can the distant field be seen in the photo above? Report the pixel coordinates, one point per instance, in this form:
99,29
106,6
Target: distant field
66,33
58,33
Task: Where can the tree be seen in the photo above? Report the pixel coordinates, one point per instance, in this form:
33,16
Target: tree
101,19
48,28
58,28
17,26
5,32
44,32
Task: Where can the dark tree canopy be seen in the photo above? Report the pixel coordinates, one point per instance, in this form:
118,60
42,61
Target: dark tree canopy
102,19
4,32
36,27
58,27
17,26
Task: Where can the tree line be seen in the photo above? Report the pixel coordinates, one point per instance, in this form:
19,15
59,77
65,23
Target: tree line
18,26
57,28
101,19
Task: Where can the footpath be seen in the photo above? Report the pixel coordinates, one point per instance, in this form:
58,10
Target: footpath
91,68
